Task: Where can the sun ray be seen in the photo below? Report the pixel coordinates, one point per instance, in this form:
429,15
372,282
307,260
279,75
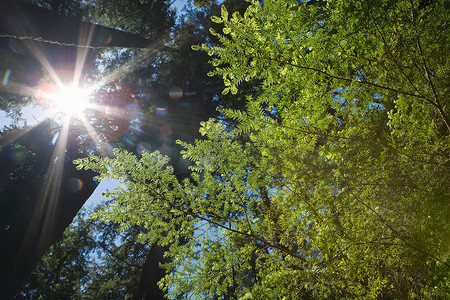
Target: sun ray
18,89
44,214
50,193
128,67
94,136
84,38
39,53
109,110
54,174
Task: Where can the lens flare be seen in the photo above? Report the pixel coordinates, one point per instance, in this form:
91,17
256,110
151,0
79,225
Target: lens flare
6,77
74,185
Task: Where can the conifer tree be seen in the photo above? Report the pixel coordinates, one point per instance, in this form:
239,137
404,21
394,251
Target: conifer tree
339,188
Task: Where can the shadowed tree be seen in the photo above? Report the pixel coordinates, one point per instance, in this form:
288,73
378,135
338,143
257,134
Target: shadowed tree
65,271
40,194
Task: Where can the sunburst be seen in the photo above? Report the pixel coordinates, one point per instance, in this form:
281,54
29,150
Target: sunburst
71,100
69,97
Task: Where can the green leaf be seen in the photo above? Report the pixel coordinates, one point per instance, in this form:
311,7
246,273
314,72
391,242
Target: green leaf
224,13
216,19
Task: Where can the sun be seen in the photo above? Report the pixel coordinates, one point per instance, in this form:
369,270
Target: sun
70,100
64,99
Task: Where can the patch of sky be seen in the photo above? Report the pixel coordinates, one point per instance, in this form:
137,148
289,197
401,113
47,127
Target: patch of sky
29,115
105,186
179,5
206,237
377,104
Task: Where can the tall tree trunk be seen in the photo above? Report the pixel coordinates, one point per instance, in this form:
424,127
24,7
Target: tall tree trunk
40,203
28,22
151,274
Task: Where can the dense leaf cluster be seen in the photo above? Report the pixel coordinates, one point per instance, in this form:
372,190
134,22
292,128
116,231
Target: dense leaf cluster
334,183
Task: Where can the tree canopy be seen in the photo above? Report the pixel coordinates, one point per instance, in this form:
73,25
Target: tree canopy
334,182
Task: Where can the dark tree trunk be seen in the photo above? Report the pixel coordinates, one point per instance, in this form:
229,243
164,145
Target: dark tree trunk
36,204
29,22
152,273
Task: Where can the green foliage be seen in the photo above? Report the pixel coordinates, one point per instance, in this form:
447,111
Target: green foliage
64,271
334,183
91,261
149,18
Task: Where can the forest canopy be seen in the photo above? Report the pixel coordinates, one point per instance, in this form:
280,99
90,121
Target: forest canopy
331,183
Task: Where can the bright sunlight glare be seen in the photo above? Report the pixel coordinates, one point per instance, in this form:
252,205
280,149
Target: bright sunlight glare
70,100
